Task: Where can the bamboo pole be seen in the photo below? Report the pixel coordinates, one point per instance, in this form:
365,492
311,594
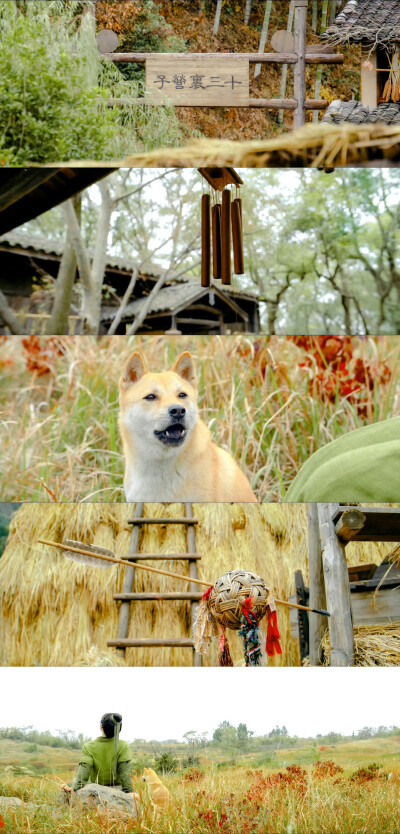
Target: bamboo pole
285,66
264,34
205,240
317,583
217,17
300,68
216,240
226,238
337,589
318,81
117,561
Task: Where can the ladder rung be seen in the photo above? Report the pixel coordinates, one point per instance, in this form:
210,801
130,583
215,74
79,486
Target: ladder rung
131,557
154,595
163,521
128,643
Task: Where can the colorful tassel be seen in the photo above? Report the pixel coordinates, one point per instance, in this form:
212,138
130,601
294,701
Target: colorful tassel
224,655
249,634
273,637
205,627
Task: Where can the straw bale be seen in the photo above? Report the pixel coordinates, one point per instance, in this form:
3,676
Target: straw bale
374,645
54,612
314,145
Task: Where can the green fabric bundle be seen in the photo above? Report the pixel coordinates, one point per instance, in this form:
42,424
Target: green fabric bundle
361,466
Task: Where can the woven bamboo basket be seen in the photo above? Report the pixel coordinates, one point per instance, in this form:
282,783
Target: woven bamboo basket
229,593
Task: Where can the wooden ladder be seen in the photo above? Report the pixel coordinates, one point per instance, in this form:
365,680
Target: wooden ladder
127,597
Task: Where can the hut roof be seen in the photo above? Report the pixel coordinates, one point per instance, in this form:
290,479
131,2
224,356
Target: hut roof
356,113
28,192
177,297
23,241
366,21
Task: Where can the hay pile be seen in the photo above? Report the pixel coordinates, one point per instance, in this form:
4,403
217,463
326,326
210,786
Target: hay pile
55,612
320,145
374,645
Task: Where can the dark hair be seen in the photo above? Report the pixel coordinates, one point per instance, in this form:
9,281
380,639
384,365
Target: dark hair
111,721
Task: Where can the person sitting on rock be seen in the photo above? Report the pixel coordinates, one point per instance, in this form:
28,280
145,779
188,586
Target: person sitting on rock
106,760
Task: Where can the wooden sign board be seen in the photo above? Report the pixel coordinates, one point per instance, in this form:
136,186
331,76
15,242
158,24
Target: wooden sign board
198,80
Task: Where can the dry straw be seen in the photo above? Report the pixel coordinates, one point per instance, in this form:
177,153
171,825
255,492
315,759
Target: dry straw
54,612
320,145
374,645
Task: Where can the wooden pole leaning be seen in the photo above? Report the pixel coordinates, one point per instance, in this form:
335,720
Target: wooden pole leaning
115,561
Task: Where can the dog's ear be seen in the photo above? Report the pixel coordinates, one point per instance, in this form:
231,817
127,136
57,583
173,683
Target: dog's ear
184,366
134,369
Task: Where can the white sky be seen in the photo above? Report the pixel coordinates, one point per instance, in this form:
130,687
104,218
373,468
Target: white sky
164,703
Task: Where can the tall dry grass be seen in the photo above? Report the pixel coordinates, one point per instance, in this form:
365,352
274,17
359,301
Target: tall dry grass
233,799
59,429
54,612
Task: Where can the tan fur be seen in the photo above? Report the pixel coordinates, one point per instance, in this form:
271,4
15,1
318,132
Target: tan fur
197,470
158,793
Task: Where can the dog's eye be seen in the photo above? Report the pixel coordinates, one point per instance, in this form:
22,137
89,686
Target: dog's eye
150,397
182,395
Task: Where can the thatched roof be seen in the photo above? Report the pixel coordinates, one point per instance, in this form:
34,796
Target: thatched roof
366,21
54,612
354,112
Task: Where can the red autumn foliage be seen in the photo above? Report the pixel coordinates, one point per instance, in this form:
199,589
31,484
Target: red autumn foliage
193,775
40,353
335,372
368,774
324,769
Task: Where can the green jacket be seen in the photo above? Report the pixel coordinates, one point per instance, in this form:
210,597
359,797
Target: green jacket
361,466
96,764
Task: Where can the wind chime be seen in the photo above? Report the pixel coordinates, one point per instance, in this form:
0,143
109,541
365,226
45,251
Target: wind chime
238,600
221,226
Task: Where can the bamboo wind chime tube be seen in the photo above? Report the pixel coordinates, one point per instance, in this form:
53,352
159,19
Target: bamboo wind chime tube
115,561
226,268
216,240
237,237
205,240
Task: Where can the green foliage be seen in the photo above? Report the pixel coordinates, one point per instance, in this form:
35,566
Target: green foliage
150,34
54,90
190,761
166,763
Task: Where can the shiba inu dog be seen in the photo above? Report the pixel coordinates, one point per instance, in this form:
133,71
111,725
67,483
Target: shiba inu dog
158,793
169,453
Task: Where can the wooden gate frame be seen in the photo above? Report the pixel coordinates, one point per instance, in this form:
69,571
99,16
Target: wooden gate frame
330,528
299,58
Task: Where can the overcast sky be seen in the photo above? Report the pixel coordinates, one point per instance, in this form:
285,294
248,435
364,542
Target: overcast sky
166,703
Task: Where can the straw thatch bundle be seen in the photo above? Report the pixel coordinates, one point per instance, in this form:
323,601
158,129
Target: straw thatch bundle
374,645
53,611
320,145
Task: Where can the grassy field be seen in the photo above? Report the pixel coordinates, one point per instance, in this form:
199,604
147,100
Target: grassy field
353,788
270,402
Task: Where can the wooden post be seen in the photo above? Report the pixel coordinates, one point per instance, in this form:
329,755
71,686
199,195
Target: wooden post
216,240
337,589
317,585
191,545
124,613
300,31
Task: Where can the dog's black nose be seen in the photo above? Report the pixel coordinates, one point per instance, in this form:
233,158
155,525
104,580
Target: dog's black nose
177,412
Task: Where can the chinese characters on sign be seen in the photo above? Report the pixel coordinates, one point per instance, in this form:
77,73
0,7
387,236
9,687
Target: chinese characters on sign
198,80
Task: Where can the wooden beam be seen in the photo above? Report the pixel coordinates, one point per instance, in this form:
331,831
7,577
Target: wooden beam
337,589
350,523
252,57
381,524
170,595
133,557
163,521
266,103
317,598
300,28
219,178
173,642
